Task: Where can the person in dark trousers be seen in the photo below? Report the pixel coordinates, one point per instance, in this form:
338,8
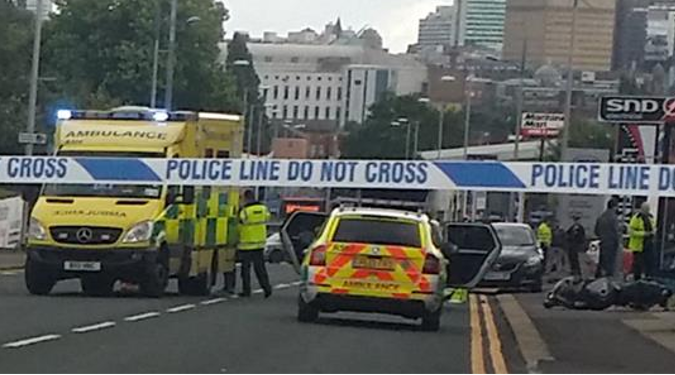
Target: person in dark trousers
641,242
607,230
253,219
576,243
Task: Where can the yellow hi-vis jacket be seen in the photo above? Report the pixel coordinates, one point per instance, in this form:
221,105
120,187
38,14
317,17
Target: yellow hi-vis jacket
253,220
544,234
637,233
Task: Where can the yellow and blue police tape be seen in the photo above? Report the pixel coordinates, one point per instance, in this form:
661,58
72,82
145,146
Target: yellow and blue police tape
578,178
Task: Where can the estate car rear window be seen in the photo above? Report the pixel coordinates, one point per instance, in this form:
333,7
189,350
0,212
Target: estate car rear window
378,231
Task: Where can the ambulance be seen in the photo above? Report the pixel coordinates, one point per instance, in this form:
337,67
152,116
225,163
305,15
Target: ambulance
140,234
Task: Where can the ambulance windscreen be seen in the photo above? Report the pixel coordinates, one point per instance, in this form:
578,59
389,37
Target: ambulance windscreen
380,232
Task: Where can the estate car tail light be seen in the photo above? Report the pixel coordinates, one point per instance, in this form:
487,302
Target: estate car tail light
432,265
317,256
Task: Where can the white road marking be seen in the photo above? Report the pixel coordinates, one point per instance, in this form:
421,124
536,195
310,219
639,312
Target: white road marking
30,341
212,301
282,286
135,318
296,283
180,308
93,327
257,291
10,273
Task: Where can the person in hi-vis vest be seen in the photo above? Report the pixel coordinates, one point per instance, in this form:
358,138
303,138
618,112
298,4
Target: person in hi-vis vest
253,219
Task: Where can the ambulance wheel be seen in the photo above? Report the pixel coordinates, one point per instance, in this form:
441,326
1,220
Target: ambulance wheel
97,286
156,280
39,280
194,286
306,312
432,321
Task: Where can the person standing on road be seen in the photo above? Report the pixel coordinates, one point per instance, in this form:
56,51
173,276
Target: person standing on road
640,243
545,238
253,219
607,230
576,244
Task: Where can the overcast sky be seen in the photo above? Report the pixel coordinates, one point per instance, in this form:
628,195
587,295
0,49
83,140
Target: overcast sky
396,20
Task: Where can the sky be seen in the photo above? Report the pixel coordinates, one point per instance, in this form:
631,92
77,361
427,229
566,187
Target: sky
396,20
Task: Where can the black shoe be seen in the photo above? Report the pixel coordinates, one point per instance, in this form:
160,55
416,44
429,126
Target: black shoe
268,293
244,295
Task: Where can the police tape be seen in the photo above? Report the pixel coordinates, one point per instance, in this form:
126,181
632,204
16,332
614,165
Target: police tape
575,178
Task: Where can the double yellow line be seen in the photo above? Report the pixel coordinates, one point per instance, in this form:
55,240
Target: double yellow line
484,330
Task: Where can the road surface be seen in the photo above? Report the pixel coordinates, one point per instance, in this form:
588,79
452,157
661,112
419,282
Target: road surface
67,332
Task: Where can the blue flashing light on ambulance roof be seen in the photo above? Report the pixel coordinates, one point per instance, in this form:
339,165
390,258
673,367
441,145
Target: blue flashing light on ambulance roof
160,116
64,114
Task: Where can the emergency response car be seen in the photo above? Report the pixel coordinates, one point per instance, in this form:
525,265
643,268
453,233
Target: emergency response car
140,234
384,261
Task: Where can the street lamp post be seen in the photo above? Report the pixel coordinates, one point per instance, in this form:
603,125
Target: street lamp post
34,75
441,118
171,57
570,81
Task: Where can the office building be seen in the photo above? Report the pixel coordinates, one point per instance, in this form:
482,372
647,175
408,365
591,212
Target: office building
481,23
438,29
630,34
321,85
540,31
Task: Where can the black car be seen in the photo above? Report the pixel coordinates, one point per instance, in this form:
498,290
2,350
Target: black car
521,262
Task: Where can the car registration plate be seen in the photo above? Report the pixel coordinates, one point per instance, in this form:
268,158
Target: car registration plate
497,276
82,266
373,263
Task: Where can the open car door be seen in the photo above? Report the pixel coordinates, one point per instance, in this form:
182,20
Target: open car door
471,249
298,232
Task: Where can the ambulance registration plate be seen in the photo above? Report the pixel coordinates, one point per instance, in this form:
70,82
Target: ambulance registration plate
362,261
82,266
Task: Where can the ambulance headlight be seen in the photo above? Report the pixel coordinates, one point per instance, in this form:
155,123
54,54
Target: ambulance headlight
36,231
64,114
160,116
140,232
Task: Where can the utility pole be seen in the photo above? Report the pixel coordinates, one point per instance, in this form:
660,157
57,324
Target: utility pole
155,56
570,81
441,121
34,75
467,118
171,57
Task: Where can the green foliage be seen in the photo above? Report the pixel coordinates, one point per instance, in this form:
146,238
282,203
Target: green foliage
245,77
16,39
377,138
101,53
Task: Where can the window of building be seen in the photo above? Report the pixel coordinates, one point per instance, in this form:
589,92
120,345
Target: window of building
268,59
276,77
286,90
358,82
297,93
295,111
276,92
329,93
285,112
267,77
308,92
338,113
327,116
295,59
306,112
265,92
319,78
318,93
297,78
316,112
339,93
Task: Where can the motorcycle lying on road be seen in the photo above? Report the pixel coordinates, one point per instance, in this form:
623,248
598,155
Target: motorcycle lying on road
600,294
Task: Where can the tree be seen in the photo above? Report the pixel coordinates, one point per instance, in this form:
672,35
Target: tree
101,53
377,138
245,77
16,38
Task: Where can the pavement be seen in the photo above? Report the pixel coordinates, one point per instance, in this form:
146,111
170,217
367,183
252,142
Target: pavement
601,341
490,333
11,259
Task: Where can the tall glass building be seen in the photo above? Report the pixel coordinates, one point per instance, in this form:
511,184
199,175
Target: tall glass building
481,23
